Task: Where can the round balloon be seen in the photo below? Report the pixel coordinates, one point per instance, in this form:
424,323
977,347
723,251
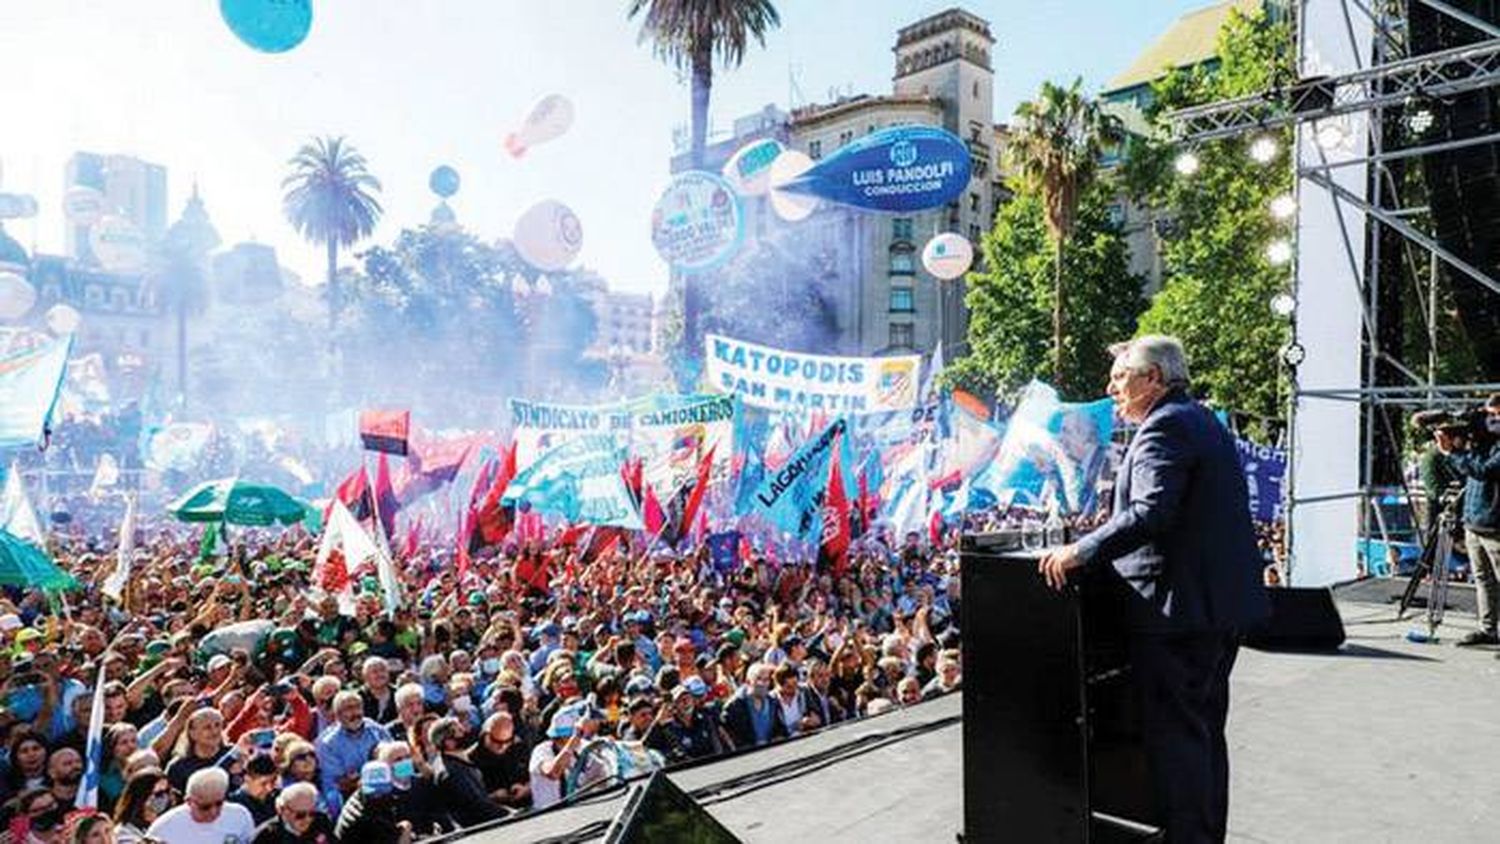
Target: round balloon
787,205
548,235
947,256
697,221
16,296
749,169
83,205
550,117
62,319
270,26
443,181
118,244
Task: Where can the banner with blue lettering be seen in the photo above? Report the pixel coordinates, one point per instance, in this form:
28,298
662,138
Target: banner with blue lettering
1265,474
791,498
901,169
1052,452
538,426
793,381
580,481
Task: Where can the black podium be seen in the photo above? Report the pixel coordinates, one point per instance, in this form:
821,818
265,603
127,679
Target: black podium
1052,747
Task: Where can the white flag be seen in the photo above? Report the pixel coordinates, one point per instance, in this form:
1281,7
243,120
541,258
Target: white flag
88,794
106,475
114,585
344,535
16,515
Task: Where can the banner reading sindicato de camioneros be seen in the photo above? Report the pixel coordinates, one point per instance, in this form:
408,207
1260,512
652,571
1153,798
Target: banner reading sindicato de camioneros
538,426
780,380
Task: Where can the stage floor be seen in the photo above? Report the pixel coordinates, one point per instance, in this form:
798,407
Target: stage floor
1384,741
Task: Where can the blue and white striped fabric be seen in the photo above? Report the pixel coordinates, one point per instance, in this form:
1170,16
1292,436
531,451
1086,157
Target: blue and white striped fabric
88,795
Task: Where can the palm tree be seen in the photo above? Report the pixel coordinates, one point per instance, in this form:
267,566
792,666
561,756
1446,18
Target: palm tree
329,199
688,33
1055,148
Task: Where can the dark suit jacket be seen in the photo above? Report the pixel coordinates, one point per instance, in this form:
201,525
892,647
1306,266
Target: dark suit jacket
1181,534
741,728
461,787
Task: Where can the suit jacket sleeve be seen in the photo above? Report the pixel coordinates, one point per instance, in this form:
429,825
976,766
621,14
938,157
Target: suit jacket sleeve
1479,466
1158,476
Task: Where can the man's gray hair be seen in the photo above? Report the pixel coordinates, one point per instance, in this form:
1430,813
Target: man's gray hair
408,692
1155,350
294,791
212,783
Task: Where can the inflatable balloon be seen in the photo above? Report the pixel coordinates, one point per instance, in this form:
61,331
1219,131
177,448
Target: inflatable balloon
83,205
62,319
901,169
788,167
749,169
16,296
697,221
549,118
947,256
548,235
443,181
270,26
118,244
249,636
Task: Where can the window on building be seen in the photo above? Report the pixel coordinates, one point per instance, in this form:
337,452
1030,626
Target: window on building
974,234
903,262
815,149
976,89
903,335
845,137
93,296
973,203
901,228
902,301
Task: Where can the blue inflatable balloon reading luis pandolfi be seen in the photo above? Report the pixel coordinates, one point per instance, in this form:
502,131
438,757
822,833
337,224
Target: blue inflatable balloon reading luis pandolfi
270,26
904,168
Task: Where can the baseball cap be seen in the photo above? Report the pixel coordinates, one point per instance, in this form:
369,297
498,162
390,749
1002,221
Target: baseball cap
10,621
638,703
695,686
375,778
564,721
28,634
218,661
638,685
549,629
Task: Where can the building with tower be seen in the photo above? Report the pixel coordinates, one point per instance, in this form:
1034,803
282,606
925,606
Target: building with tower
849,281
131,188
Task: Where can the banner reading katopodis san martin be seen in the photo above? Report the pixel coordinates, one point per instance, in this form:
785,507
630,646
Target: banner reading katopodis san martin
780,380
538,426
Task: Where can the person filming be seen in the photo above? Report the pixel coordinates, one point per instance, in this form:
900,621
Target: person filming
1475,455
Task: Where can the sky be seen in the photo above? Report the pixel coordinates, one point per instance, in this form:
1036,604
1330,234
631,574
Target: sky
417,84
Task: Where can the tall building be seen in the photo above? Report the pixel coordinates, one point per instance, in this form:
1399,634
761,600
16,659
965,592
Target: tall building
132,188
850,281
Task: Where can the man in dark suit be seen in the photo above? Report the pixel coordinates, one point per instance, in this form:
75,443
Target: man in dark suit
457,780
1181,538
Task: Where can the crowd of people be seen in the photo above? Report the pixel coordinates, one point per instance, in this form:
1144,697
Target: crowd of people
242,704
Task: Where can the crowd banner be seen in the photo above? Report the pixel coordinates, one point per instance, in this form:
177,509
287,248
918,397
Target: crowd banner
580,481
776,379
30,381
791,498
1265,474
539,426
671,434
1052,452
904,168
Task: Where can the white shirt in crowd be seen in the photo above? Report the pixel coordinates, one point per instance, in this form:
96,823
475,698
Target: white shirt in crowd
233,826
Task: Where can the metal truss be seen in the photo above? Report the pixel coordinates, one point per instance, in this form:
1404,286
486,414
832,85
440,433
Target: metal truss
1431,75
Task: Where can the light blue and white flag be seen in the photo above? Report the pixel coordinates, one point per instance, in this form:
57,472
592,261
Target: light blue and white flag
88,794
579,480
791,498
29,385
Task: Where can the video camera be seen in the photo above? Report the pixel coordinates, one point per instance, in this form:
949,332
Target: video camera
1467,424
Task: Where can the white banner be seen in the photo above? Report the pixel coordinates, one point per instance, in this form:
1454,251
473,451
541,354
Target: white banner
780,380
672,434
537,427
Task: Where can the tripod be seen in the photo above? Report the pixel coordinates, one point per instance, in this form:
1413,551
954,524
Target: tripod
1437,547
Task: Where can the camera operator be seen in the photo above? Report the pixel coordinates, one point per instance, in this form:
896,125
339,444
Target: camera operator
1476,456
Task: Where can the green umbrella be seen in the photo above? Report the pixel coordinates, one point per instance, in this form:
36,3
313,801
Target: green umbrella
23,564
238,503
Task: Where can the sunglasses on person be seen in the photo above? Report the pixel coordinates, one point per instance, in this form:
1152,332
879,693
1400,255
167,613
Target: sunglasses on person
302,814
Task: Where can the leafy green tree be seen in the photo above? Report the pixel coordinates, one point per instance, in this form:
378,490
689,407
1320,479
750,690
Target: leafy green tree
1055,148
330,199
1011,299
1217,227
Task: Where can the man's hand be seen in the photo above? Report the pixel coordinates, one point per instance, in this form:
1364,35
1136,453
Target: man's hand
1056,563
1446,442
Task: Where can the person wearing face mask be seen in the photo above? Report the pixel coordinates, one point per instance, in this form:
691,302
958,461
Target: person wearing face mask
1478,462
147,796
751,715
416,798
371,814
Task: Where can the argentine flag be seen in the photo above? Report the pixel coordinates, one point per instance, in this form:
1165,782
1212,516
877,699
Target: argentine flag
88,795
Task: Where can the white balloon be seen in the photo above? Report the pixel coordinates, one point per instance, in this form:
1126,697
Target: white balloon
791,206
16,296
947,256
549,118
749,169
118,244
548,235
83,205
62,319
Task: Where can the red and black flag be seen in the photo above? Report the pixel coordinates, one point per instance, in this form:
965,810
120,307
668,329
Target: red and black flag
385,430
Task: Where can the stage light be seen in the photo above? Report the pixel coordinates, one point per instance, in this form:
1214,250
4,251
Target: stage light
1263,149
1293,354
1283,207
1330,134
1282,304
1187,163
1419,121
1279,252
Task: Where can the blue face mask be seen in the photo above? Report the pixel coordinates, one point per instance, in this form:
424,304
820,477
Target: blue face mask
403,770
